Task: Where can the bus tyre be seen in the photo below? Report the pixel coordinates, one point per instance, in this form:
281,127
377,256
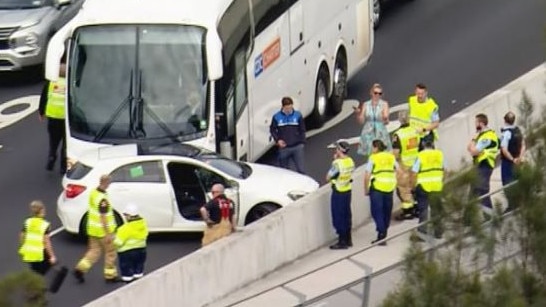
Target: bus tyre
339,92
259,211
318,117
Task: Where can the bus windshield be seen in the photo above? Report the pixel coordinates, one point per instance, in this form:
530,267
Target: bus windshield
142,82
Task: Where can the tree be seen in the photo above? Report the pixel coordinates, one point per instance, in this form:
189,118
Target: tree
24,288
453,275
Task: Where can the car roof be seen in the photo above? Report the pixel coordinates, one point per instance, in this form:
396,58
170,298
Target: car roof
132,151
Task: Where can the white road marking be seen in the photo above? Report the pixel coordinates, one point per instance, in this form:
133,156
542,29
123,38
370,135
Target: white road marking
56,231
31,105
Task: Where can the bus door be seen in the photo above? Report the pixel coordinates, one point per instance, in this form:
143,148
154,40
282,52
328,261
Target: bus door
232,109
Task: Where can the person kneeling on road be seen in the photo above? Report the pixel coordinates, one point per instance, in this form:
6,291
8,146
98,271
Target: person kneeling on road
130,242
339,176
219,214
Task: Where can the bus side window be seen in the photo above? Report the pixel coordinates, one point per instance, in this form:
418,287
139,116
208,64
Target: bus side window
266,13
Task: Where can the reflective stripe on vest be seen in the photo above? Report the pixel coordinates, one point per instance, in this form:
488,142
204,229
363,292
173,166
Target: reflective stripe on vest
431,173
55,107
131,235
94,224
420,113
345,166
409,143
383,178
490,153
32,249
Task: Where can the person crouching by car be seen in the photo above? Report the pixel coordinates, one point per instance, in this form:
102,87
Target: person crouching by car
219,215
130,242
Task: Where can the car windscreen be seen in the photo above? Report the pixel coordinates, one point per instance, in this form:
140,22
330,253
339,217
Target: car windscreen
239,170
130,82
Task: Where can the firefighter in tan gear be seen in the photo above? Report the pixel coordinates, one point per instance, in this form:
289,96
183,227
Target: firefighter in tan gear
405,141
101,227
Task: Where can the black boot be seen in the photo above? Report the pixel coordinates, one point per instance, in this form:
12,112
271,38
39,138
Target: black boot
341,243
50,162
380,236
349,240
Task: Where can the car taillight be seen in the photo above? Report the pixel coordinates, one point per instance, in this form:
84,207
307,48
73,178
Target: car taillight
73,190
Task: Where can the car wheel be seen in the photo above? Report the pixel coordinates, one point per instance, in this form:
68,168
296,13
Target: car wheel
340,84
318,117
260,211
376,13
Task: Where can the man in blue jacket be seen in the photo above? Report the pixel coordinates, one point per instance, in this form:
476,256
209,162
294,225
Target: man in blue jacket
288,130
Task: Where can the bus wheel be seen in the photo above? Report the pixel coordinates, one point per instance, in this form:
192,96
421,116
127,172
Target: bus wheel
340,84
318,117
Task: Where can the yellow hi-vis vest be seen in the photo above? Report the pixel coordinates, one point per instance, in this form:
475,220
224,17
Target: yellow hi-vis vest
94,225
490,153
431,172
55,107
131,235
33,247
383,177
409,144
420,113
345,166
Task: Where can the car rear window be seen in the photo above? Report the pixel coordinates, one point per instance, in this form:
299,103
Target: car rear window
78,171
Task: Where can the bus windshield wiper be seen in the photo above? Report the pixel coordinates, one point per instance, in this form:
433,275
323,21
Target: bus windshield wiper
114,117
140,107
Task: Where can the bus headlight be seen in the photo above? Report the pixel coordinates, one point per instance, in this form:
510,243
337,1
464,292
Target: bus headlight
295,195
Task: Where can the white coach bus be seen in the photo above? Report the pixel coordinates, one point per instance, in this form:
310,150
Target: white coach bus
211,73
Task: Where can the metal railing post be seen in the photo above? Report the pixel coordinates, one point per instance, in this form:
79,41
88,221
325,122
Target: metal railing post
366,293
491,251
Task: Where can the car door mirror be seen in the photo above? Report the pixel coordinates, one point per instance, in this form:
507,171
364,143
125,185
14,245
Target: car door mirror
60,3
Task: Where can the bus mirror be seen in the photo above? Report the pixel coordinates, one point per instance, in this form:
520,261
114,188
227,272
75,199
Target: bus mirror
214,56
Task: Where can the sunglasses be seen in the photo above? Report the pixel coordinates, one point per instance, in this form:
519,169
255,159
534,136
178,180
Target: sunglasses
378,93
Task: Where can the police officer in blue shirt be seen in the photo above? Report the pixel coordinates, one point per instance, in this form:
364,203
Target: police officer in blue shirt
512,150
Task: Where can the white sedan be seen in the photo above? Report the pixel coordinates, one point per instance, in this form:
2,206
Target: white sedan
170,183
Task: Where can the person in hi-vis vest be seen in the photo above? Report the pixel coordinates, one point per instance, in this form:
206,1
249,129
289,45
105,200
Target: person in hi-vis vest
405,144
424,114
36,248
379,185
340,177
101,230
52,106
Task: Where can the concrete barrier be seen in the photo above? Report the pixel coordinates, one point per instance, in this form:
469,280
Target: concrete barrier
280,238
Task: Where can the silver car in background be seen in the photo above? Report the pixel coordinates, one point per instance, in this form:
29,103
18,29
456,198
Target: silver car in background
26,27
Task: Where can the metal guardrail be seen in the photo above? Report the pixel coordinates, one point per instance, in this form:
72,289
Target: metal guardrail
367,279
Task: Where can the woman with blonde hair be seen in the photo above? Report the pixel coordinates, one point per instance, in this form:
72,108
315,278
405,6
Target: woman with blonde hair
36,248
373,115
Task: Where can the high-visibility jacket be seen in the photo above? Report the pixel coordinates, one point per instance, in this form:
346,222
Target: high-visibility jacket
345,166
131,235
33,247
488,154
431,171
409,144
383,177
55,107
420,114
94,224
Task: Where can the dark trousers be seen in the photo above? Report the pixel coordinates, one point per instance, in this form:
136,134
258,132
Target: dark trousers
508,175
381,208
426,200
482,184
294,153
340,206
56,131
131,262
40,267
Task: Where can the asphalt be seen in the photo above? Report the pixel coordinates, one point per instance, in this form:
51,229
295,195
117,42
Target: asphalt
462,49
